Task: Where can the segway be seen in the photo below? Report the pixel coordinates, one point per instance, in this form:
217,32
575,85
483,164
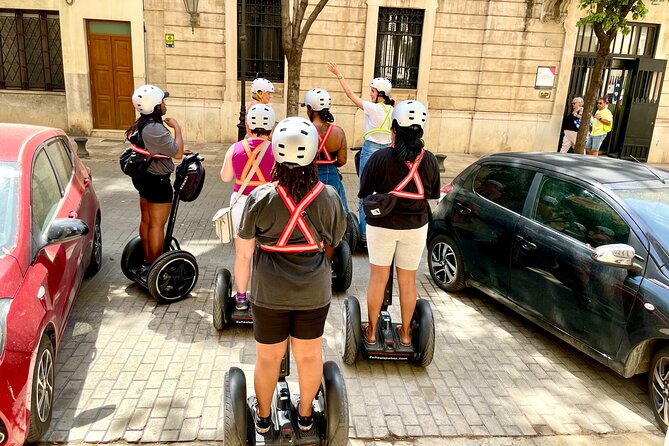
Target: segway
388,345
174,274
225,310
330,411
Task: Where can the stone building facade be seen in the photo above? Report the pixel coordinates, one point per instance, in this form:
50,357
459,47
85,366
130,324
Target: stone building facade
479,65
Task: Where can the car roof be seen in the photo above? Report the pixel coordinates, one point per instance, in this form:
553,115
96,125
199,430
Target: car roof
13,138
601,169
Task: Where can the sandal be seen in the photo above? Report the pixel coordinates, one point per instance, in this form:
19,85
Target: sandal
365,332
398,329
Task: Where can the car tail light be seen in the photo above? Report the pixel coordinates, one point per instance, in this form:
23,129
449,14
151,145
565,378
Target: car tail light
4,309
445,190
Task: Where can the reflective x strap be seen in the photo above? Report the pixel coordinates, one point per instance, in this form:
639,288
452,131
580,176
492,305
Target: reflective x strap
147,153
384,127
413,175
296,218
251,157
322,150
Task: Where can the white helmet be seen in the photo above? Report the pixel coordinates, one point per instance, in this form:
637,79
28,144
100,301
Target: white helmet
261,116
262,84
146,98
318,99
381,84
410,112
295,141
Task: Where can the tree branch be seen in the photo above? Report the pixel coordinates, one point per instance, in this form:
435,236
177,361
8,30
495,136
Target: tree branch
310,20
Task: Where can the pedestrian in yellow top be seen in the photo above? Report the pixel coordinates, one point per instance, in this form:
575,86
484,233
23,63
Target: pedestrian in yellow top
601,125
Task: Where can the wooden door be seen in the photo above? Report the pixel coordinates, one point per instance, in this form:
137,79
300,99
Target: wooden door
112,85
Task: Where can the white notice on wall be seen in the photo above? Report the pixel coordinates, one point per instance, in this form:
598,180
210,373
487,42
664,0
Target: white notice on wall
545,78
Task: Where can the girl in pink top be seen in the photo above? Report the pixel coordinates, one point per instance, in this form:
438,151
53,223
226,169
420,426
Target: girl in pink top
239,161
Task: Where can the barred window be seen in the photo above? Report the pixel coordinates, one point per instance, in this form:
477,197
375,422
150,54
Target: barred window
640,41
398,45
31,55
264,50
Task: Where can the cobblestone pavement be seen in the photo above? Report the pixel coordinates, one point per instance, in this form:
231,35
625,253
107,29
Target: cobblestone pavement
131,370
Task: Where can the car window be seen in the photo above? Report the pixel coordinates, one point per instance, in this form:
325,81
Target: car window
45,196
575,211
505,185
61,161
9,205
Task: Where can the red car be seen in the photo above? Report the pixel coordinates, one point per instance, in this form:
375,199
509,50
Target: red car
49,240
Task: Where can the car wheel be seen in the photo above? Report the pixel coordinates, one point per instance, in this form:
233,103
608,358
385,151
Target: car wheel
96,253
41,401
658,386
445,263
172,276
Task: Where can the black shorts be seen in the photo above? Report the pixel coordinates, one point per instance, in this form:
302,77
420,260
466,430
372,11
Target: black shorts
273,326
154,188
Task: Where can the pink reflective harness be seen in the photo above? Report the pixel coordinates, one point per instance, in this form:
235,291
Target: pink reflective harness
297,219
324,156
146,152
413,175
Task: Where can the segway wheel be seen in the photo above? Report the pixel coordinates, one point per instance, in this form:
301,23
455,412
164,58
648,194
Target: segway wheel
352,230
222,290
236,411
132,257
342,267
352,330
336,405
172,276
422,329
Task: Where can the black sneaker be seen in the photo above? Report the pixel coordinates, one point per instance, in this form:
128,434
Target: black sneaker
304,423
263,424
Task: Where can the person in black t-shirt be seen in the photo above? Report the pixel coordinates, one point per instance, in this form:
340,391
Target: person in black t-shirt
570,124
402,233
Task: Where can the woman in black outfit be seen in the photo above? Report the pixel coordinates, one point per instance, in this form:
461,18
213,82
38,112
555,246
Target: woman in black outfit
154,187
410,173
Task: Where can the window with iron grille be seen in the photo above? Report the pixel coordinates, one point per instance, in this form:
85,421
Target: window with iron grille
640,41
264,51
31,55
398,45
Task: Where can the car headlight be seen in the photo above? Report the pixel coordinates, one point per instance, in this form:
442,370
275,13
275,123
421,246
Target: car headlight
4,309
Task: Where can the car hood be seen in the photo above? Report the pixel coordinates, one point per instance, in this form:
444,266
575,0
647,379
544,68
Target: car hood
10,276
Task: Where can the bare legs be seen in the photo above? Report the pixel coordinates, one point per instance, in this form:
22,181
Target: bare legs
242,269
308,355
375,290
152,228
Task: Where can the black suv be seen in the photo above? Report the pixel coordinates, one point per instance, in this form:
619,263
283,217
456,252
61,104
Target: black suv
578,244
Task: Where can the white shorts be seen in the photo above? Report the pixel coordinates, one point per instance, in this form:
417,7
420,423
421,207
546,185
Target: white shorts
406,245
237,211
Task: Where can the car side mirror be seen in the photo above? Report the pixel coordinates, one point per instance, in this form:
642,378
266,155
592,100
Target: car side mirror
65,229
619,255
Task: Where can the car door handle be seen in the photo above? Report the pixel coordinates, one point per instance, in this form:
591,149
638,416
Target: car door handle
464,210
73,214
87,181
526,244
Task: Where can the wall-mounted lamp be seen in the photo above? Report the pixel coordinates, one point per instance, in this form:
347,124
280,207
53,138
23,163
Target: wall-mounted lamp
191,8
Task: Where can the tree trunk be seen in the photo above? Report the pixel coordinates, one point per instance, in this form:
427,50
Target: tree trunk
293,85
591,95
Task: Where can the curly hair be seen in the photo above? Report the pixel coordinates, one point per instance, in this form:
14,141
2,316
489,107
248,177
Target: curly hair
298,181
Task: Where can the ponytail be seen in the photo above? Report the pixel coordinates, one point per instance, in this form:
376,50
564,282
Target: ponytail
326,115
140,123
408,141
386,99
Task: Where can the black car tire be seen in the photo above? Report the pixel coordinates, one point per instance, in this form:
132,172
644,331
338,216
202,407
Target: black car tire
422,334
658,386
444,260
342,267
172,276
96,252
132,257
41,401
235,409
222,288
352,330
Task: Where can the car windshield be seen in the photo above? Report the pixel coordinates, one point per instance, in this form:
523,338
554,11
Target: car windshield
652,205
9,205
